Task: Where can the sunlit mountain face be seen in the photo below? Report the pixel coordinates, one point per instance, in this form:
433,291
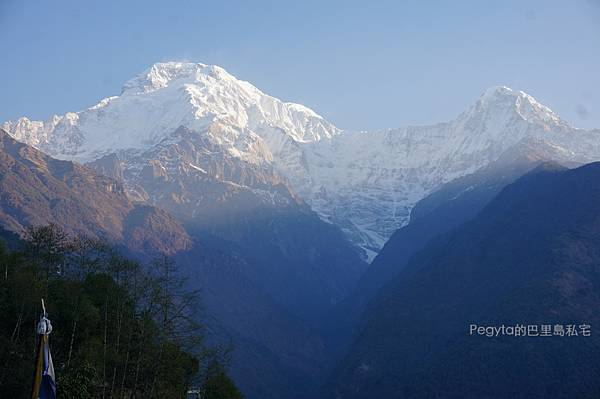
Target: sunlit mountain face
364,182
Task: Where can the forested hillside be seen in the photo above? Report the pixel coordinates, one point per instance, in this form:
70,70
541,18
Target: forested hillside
120,329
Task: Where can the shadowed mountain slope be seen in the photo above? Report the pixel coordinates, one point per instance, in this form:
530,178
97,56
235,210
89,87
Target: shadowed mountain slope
530,256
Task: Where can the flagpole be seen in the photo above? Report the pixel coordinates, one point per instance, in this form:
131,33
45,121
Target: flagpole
39,360
44,384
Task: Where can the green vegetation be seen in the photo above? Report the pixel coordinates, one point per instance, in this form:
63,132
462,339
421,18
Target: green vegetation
121,330
218,385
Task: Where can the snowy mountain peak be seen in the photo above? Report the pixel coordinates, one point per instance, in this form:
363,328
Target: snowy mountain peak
517,103
495,91
204,98
161,74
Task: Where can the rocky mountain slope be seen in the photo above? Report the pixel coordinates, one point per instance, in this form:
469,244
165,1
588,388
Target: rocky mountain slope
364,182
530,257
452,205
36,189
448,207
305,264
267,266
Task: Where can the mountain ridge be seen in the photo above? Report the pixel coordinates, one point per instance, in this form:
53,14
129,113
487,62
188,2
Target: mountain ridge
36,190
511,264
365,182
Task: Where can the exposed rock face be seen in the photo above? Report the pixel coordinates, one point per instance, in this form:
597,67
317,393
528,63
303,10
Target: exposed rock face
304,263
36,189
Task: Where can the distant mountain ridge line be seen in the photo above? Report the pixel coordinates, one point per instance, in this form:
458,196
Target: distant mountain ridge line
364,182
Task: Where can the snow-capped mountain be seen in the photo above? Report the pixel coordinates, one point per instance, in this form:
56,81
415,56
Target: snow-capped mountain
168,95
364,182
367,182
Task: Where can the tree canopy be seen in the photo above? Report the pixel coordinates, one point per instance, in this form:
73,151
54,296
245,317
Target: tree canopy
121,329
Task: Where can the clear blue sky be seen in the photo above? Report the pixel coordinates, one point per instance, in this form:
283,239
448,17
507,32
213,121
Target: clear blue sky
361,64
